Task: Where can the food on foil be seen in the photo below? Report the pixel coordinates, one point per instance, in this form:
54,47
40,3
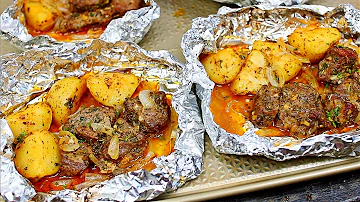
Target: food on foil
88,129
300,88
68,19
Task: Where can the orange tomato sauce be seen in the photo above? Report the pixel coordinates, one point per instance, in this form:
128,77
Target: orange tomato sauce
161,144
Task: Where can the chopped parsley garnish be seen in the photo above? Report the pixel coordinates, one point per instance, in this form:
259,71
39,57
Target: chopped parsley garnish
331,114
339,75
21,137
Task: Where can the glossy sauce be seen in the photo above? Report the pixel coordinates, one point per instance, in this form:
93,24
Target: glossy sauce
161,144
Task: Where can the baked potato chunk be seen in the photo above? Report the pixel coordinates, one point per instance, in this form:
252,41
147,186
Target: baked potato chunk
64,98
284,64
32,117
111,89
313,42
38,155
39,16
223,66
252,76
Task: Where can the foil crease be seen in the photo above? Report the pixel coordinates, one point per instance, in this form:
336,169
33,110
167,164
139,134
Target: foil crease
245,25
131,27
27,75
243,3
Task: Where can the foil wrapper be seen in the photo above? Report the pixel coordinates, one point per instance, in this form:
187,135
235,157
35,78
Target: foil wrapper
243,3
245,25
25,77
131,27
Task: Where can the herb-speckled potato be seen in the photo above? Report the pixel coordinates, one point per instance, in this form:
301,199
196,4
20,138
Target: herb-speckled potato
64,98
38,155
313,42
30,118
285,64
223,66
252,76
39,16
111,89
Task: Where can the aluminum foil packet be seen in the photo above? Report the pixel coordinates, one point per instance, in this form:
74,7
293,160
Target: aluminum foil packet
245,25
131,27
243,3
24,77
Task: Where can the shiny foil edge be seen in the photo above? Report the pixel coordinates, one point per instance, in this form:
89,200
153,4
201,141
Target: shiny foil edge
133,26
206,35
172,171
243,3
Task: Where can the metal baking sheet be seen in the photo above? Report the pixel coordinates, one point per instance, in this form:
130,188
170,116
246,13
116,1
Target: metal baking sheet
225,175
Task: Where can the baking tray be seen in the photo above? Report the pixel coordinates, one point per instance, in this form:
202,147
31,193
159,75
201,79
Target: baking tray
225,175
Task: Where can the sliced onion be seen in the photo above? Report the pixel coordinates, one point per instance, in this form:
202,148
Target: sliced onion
99,127
61,183
145,99
96,177
105,167
86,184
68,141
114,146
270,73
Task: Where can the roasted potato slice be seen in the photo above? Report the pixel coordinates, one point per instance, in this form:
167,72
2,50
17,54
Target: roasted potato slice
111,89
38,155
64,98
223,66
39,16
32,117
252,76
313,42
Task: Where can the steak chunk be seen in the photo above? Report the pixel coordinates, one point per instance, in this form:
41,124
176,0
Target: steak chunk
301,112
75,162
338,64
81,122
121,6
150,118
87,5
266,107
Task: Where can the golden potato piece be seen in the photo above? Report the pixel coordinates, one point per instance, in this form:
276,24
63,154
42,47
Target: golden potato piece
39,16
313,42
223,66
267,47
111,89
38,155
252,76
30,118
64,98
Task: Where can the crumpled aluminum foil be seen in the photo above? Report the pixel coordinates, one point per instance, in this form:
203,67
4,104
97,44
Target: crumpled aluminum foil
245,25
34,69
131,27
243,3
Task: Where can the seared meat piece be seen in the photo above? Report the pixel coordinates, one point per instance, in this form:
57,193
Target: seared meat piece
77,21
121,6
343,106
267,102
301,112
338,64
339,111
349,89
81,123
130,139
150,118
87,5
75,162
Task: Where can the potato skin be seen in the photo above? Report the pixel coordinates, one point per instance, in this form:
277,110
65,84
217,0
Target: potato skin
64,98
32,117
313,42
39,16
112,88
252,76
38,155
223,66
